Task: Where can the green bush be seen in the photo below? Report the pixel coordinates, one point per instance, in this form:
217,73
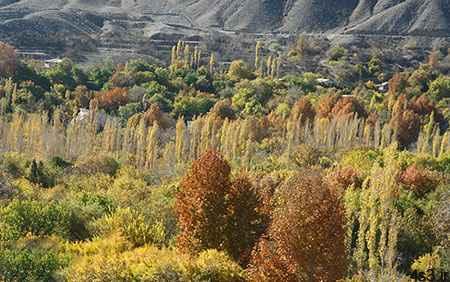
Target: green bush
440,88
38,218
361,160
191,106
28,265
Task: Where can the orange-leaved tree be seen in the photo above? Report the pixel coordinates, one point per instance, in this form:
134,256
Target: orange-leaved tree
215,212
111,100
306,239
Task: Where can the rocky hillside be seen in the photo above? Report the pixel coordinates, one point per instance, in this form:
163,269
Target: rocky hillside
90,24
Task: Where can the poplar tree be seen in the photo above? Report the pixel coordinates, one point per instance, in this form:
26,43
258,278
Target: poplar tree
181,139
258,55
269,66
152,146
212,64
174,57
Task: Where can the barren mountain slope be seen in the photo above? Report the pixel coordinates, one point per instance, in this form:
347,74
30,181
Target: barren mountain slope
93,23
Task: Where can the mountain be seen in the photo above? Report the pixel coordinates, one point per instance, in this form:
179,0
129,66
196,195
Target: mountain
89,24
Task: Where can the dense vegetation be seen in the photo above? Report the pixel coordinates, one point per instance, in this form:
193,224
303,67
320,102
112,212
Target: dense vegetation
196,172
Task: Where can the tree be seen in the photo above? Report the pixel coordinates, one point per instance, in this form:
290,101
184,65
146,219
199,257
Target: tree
246,222
433,59
200,204
82,96
191,106
37,174
348,105
8,60
239,70
326,105
155,115
440,88
303,109
251,96
215,212
258,56
307,236
112,99
406,126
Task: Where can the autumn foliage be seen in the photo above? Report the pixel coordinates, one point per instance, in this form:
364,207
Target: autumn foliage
303,109
155,115
215,212
343,178
405,122
111,100
423,106
418,180
305,241
325,106
337,106
348,105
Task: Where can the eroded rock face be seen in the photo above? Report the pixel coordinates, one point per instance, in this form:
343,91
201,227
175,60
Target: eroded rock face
88,24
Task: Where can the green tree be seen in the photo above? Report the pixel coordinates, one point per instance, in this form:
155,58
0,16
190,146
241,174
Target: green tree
440,88
239,70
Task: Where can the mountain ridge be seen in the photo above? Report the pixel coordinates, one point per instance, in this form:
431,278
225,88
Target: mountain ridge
91,23
390,16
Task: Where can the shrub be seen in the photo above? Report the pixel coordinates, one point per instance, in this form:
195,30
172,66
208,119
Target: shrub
428,266
38,174
440,214
306,156
152,264
444,164
28,265
212,265
14,164
96,164
39,218
336,53
360,160
133,226
142,264
6,190
129,188
159,207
